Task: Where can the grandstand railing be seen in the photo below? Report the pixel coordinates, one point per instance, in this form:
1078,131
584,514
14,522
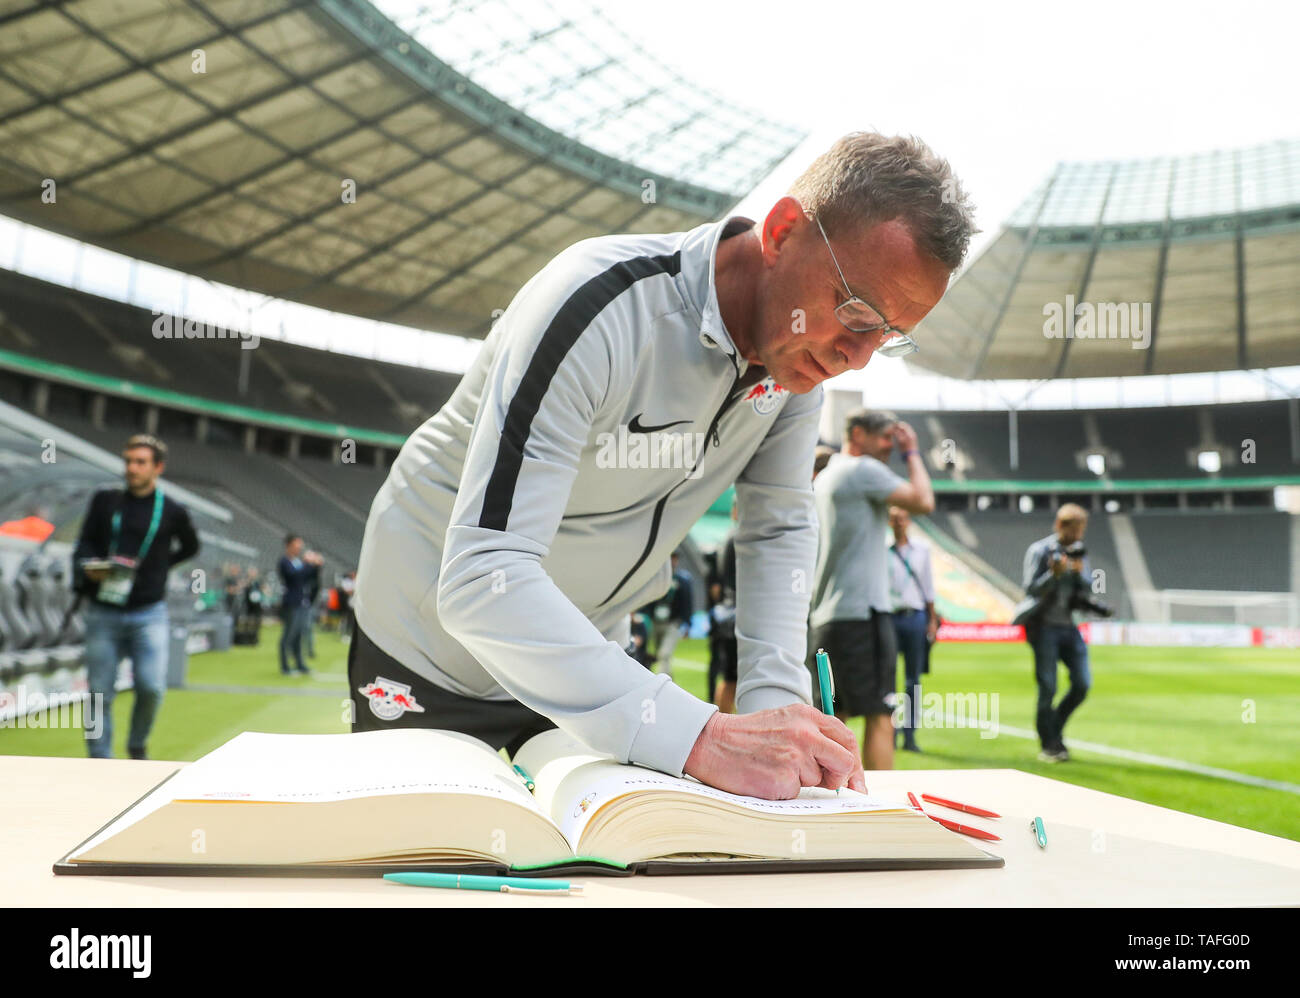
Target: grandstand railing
192,403
1202,606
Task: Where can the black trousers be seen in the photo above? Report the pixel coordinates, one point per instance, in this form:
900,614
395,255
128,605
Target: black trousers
398,698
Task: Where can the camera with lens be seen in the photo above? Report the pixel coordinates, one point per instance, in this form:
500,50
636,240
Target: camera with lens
1094,606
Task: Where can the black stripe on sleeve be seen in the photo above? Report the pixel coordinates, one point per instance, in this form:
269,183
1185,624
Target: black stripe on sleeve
574,316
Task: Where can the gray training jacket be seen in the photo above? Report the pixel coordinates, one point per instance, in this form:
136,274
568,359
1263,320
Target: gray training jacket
521,524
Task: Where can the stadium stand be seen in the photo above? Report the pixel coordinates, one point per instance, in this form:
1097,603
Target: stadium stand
1051,444
354,484
1208,242
54,325
479,140
1246,550
280,493
1154,449
1263,425
1138,443
1149,444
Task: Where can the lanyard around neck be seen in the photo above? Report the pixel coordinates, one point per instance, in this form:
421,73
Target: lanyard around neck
149,535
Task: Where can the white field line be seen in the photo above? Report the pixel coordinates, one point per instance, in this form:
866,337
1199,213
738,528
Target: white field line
1129,755
1143,757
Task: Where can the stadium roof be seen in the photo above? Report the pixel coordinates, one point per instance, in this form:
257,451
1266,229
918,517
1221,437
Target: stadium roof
1210,243
216,137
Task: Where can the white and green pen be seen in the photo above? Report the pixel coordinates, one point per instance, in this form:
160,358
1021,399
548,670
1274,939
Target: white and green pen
503,885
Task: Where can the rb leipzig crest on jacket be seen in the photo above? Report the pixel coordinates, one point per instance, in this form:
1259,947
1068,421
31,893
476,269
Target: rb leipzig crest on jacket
389,700
766,396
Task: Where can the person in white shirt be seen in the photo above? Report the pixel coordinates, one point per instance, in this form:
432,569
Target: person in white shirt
911,588
852,617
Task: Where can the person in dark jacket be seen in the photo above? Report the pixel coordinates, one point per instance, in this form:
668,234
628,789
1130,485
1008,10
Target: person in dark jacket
299,573
313,614
1057,583
130,538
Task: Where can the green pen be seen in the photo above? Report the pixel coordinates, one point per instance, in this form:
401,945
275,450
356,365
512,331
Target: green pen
825,681
503,885
528,782
1040,833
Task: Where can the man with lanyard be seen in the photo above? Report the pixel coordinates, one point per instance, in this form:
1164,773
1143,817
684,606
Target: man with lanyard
130,539
911,588
724,654
518,527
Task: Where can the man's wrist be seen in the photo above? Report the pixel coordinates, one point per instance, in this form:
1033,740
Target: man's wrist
703,743
752,699
670,726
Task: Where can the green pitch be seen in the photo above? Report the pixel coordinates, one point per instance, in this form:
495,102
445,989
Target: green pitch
1228,709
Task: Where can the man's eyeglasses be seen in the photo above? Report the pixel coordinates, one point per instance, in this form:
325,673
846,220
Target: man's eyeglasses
858,316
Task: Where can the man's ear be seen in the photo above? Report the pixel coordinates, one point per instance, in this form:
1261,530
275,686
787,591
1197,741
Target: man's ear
785,218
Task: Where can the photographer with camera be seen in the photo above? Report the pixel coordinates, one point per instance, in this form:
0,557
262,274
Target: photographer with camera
1056,585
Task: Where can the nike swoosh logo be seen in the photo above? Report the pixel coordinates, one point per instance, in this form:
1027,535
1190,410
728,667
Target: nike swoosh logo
635,425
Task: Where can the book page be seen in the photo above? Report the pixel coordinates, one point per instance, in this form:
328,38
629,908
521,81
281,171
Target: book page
589,788
255,766
260,767
548,758
574,783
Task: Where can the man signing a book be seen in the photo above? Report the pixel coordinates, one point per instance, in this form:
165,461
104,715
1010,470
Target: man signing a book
629,383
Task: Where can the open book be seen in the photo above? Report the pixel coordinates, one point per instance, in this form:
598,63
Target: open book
412,798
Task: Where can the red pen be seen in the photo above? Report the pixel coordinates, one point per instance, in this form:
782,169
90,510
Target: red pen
978,833
968,808
953,826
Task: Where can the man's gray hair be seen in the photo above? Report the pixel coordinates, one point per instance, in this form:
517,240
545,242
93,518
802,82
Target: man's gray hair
866,178
871,420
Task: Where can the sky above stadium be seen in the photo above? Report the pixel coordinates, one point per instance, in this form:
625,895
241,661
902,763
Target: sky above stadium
1003,90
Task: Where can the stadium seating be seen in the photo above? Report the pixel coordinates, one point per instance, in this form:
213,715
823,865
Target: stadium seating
1139,443
356,484
263,497
327,502
34,640
1212,550
1263,424
1244,550
107,338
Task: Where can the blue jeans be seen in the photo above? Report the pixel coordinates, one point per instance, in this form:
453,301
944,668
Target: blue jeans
1053,642
910,626
295,623
140,635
